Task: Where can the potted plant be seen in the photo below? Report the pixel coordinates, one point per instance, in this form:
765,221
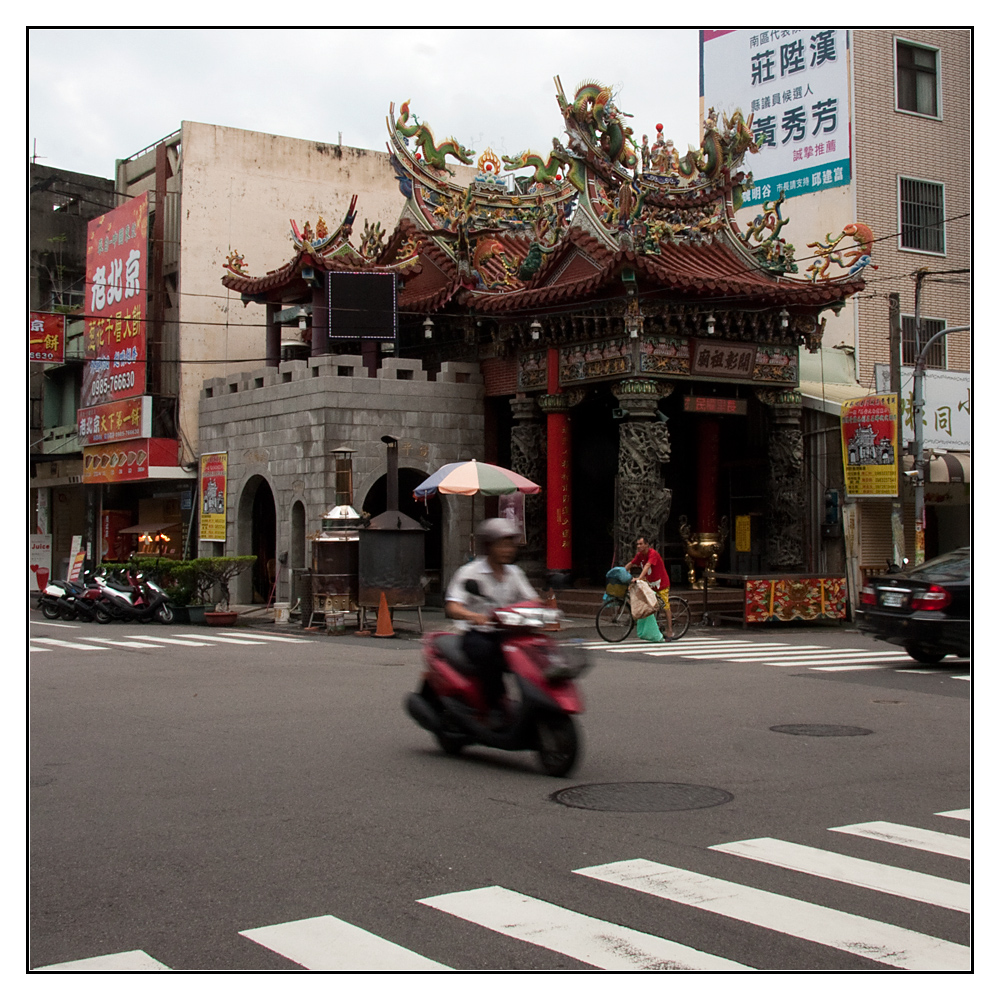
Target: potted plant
220,571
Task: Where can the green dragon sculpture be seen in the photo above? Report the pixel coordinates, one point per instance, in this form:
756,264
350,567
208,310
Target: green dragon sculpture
433,154
546,171
593,109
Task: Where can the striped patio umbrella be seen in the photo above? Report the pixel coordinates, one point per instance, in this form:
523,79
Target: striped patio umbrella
470,478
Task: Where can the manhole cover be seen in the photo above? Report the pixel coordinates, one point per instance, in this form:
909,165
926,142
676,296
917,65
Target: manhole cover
641,796
811,729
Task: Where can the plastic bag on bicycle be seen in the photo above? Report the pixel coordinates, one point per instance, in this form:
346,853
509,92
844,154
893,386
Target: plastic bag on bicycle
648,630
642,599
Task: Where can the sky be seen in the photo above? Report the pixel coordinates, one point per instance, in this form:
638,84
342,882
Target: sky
486,87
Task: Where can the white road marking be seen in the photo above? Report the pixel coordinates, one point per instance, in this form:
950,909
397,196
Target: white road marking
911,836
832,656
221,638
587,939
65,644
124,961
36,649
270,638
123,642
852,666
871,939
965,814
173,642
327,944
854,871
50,624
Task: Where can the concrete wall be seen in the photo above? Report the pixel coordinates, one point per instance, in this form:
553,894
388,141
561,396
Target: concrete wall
281,424
239,191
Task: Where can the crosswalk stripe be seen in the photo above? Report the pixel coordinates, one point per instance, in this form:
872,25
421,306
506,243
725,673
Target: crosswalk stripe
834,656
123,642
327,944
269,638
65,644
962,677
173,642
124,961
848,666
872,939
599,943
221,638
38,649
855,871
965,814
911,836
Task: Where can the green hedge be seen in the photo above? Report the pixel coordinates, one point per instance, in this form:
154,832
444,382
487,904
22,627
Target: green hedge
188,581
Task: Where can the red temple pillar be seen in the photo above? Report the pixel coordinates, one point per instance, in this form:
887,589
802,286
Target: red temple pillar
558,505
708,475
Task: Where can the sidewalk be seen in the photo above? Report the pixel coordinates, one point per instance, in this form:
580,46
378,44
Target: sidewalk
580,629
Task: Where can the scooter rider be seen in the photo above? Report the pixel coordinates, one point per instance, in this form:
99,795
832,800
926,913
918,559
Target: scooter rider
499,583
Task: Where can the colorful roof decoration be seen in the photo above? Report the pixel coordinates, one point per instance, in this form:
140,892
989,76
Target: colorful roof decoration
588,215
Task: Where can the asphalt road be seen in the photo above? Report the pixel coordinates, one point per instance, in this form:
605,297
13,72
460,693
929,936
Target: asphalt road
270,806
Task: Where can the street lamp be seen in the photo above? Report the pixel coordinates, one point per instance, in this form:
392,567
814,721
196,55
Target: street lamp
536,329
428,328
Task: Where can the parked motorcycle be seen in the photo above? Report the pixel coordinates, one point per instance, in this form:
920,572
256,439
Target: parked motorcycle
450,702
69,600
134,599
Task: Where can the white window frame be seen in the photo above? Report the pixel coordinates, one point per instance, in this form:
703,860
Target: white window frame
895,76
899,215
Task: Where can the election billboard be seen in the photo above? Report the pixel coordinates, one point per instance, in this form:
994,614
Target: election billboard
795,82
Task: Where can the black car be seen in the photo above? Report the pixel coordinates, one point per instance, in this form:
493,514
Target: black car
925,609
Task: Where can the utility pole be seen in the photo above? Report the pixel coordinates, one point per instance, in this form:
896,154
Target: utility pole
920,363
919,462
895,387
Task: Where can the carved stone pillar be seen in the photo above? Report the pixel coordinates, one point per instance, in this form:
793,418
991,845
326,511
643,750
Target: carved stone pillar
643,503
527,454
786,486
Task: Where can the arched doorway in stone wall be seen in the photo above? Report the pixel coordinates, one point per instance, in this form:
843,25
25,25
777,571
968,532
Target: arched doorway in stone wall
429,515
257,533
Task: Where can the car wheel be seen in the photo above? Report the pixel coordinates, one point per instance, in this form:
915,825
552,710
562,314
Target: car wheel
924,654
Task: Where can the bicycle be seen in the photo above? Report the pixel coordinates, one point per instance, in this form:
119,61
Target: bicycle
615,622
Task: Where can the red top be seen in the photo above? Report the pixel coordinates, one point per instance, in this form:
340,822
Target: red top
657,578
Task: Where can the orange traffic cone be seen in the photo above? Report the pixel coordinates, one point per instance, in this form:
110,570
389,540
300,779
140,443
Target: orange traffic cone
383,627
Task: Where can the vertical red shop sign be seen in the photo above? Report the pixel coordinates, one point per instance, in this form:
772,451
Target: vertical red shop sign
115,304
46,337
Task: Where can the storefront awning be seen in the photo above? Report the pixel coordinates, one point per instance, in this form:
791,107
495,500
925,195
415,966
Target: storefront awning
830,396
946,467
151,528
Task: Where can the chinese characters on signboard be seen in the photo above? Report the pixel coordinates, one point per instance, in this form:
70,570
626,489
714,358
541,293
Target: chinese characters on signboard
868,436
947,406
115,304
46,337
715,358
796,84
121,421
213,497
715,404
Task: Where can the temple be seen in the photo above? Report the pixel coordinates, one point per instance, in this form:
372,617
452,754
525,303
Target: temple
640,353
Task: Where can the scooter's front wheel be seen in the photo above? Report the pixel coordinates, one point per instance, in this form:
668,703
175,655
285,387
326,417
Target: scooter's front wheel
164,614
558,744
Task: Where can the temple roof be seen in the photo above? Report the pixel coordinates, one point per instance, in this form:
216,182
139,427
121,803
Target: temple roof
592,211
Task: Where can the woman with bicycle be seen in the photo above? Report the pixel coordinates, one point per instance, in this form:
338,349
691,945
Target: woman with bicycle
655,574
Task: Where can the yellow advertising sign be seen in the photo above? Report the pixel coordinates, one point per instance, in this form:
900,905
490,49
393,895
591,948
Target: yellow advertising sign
871,453
212,522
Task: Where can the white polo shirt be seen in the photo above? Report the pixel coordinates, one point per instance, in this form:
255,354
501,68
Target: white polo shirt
493,593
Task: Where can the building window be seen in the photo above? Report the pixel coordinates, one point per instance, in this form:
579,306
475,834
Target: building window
916,79
936,356
921,215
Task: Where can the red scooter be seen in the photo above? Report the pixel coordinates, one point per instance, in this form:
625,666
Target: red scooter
450,702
